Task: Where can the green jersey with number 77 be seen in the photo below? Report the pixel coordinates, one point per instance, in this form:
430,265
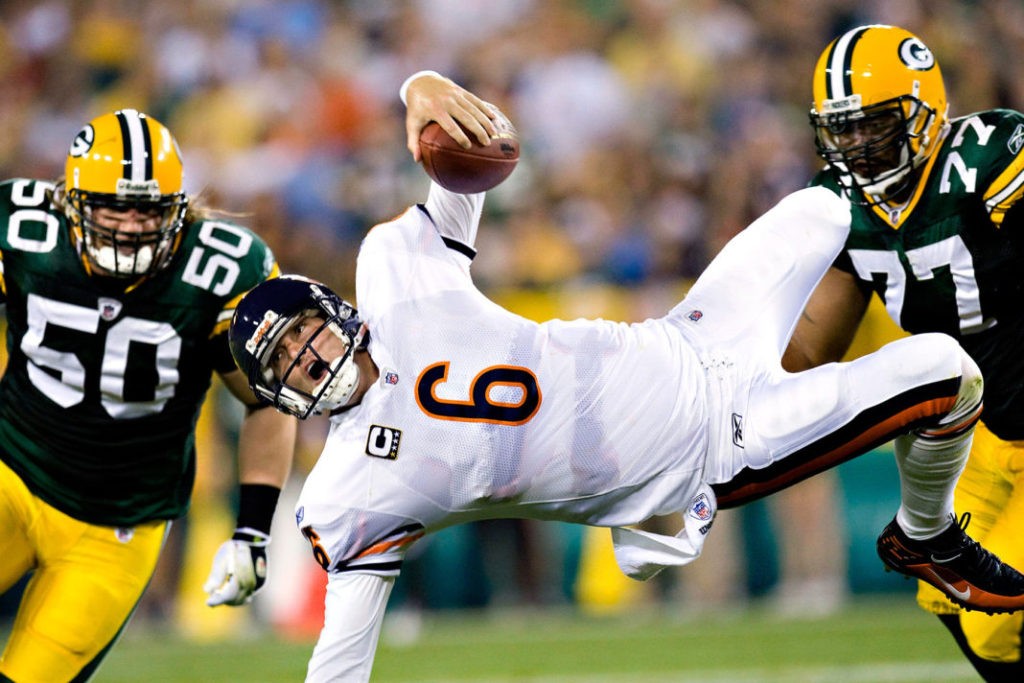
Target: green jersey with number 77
949,259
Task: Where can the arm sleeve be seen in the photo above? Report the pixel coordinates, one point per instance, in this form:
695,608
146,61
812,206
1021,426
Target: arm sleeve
354,612
456,216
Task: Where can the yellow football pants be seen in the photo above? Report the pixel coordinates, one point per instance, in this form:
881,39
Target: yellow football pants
991,489
86,581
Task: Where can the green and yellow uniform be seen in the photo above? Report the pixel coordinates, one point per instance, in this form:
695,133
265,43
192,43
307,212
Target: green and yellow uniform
98,407
951,260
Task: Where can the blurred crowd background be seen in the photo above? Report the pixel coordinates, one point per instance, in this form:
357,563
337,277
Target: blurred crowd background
652,131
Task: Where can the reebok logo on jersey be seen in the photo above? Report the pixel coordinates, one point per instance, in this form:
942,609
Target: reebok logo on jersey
382,442
1016,140
737,429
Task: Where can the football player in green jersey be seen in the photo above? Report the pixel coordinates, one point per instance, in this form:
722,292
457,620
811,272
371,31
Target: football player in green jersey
937,234
118,291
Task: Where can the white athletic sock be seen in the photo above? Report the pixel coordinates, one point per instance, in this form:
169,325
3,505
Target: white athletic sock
929,470
930,461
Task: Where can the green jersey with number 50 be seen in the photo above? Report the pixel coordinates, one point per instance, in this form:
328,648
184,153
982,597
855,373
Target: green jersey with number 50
952,259
102,391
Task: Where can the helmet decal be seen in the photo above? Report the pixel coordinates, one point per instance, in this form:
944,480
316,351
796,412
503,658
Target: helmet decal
253,343
838,70
916,54
83,141
138,148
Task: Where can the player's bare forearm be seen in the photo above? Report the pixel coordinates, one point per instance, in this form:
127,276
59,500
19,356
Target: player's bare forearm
828,323
266,440
266,444
797,356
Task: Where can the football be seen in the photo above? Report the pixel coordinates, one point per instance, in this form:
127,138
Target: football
468,171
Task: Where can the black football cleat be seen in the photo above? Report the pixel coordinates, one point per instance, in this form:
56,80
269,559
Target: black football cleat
966,573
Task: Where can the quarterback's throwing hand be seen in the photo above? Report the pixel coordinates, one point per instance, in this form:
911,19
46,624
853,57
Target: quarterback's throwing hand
239,568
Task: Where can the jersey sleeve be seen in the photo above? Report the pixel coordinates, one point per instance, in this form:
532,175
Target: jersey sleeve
456,216
413,258
354,612
31,197
3,282
1005,173
826,178
358,541
253,262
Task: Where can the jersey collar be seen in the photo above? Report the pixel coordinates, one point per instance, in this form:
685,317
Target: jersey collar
895,215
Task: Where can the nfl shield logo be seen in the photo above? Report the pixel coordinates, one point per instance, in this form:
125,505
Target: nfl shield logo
695,315
109,308
700,508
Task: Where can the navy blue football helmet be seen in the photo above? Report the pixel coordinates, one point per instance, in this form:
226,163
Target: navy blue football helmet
260,321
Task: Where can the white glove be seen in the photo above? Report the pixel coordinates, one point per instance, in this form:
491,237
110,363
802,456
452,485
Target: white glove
239,568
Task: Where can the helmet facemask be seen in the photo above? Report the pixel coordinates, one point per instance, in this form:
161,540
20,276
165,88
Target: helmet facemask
879,112
339,378
119,253
876,149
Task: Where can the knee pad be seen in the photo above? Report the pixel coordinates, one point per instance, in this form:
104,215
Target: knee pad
967,408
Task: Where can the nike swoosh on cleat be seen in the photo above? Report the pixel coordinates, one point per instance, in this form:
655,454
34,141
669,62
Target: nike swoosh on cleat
944,560
963,595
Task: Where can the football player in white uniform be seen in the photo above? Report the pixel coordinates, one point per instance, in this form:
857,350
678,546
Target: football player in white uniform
447,408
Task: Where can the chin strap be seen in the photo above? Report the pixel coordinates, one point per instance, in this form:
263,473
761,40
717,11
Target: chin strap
343,380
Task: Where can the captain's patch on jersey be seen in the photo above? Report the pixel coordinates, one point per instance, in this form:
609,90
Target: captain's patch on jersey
382,442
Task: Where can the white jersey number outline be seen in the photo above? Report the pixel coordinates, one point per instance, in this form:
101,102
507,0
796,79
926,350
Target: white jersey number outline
949,253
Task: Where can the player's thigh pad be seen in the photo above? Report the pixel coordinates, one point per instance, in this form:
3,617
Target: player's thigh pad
16,518
87,582
904,382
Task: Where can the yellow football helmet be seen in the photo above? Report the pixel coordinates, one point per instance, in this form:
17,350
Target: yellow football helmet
879,109
123,194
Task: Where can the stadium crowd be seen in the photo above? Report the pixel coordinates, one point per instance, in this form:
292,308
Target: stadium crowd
679,121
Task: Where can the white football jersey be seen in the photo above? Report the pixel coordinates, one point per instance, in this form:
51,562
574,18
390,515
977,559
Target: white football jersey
480,413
